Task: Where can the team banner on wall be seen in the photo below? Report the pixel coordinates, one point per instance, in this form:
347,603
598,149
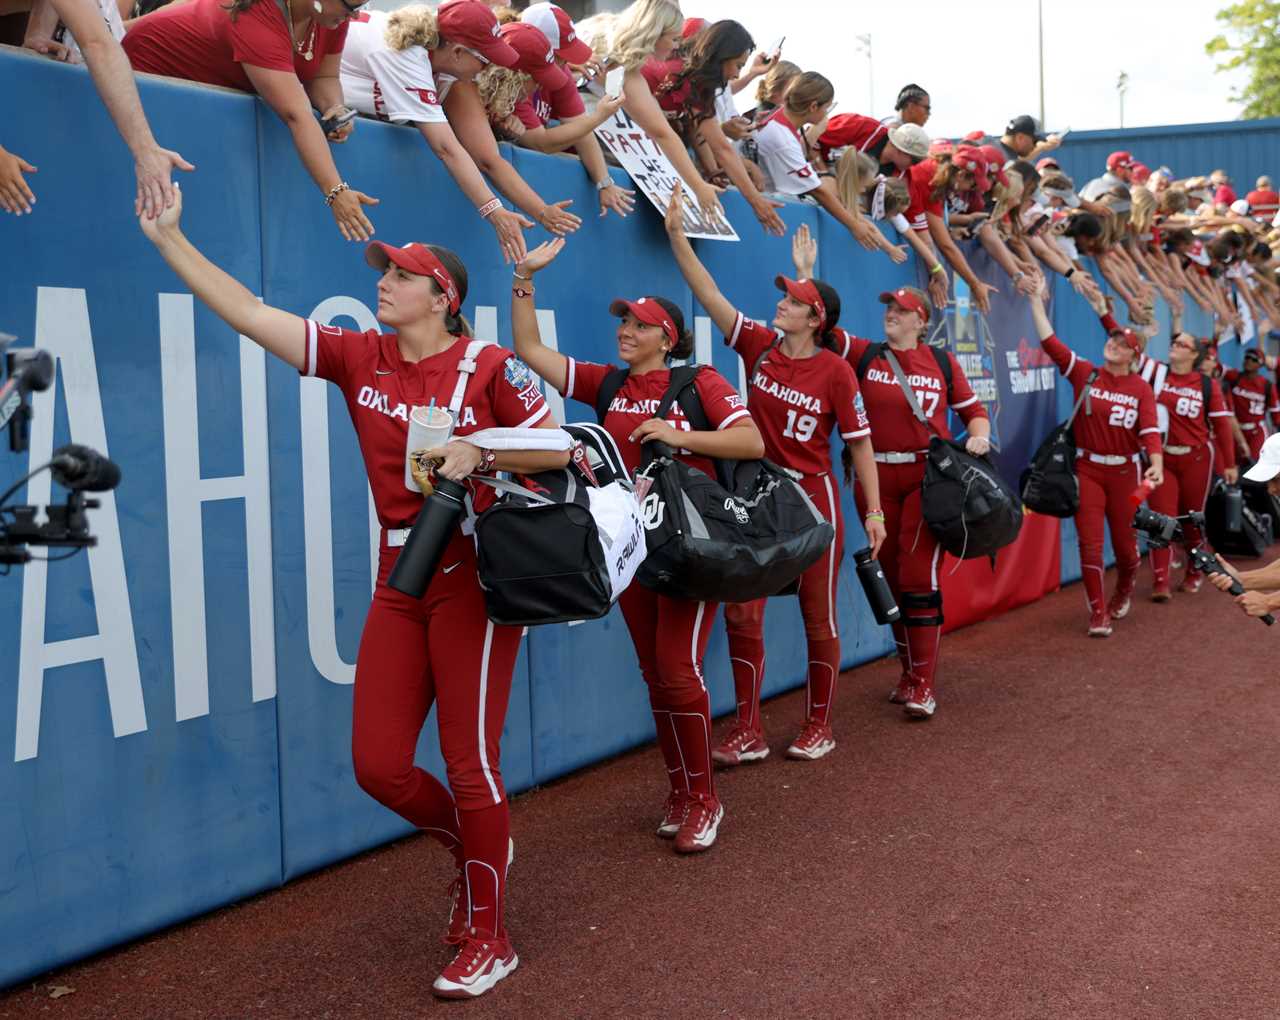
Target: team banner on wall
653,173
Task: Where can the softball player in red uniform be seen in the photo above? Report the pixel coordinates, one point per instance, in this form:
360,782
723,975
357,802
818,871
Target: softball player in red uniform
1253,399
441,648
670,634
1117,421
911,557
800,390
1191,455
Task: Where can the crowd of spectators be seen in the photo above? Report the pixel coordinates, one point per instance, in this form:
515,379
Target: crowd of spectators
468,74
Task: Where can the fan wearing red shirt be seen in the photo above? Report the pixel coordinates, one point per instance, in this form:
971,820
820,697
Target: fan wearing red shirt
1253,399
911,557
440,648
292,63
1116,423
1264,200
670,634
865,134
800,391
931,184
1191,454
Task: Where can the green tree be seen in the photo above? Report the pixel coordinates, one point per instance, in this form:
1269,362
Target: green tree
1256,26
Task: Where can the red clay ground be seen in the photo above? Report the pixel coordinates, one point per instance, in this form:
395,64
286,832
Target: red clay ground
1086,829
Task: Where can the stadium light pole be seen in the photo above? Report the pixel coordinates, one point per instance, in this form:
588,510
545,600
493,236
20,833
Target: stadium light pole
1122,86
1040,30
864,46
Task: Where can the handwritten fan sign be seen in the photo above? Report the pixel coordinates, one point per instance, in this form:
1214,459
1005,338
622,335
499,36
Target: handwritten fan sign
653,173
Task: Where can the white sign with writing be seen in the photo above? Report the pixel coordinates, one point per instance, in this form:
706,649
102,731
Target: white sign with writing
653,173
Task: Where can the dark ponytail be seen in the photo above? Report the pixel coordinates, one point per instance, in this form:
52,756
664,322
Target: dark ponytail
826,337
682,349
455,324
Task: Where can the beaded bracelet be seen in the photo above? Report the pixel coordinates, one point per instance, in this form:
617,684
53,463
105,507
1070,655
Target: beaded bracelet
334,192
490,206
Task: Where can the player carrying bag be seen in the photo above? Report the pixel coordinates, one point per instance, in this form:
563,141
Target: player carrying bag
745,536
1049,484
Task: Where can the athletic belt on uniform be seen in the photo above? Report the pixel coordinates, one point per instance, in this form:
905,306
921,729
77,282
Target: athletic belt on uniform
892,457
1113,459
1248,426
1178,451
396,537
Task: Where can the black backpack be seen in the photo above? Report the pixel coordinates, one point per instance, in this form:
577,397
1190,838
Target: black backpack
717,542
1049,484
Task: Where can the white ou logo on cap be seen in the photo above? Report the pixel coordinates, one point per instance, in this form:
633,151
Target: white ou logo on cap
572,36
549,57
494,30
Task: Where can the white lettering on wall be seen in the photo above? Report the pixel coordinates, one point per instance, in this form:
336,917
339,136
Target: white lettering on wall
186,490
317,509
62,328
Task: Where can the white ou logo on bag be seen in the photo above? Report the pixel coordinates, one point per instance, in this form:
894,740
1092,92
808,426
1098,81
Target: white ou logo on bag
738,511
653,511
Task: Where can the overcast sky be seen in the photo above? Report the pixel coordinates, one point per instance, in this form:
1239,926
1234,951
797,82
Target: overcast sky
982,70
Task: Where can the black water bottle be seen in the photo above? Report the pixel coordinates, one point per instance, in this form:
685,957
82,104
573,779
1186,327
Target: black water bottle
1232,509
430,533
883,605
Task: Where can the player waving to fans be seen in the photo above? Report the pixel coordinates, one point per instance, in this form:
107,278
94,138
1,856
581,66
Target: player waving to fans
799,391
894,375
440,648
1116,422
670,634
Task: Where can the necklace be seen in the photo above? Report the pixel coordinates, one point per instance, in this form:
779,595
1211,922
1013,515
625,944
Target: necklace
309,42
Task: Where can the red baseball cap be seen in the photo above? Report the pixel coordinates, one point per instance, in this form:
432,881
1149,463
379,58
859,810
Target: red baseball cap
905,300
995,162
416,258
805,292
1127,337
1048,161
692,26
1141,172
648,311
941,147
471,23
560,31
975,136
966,157
1120,160
536,58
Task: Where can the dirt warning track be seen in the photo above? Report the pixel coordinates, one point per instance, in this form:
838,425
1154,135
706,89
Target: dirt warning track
1086,829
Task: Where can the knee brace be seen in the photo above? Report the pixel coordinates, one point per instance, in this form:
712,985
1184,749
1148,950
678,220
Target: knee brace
922,600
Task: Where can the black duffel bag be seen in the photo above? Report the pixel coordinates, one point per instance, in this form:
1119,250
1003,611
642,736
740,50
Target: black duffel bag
1049,484
968,507
747,534
1255,533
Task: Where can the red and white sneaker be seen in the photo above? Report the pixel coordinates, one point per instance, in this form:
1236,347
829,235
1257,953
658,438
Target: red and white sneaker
1118,608
814,742
1192,582
1099,625
1161,594
701,823
673,813
460,903
743,744
901,694
482,962
922,704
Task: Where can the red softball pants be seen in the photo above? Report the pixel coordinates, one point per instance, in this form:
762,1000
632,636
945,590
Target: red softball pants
1106,493
440,649
744,623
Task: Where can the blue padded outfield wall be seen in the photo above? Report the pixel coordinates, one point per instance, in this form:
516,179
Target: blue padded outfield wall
175,706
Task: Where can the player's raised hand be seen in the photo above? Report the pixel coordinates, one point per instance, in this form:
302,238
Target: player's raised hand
674,219
540,257
804,252
169,219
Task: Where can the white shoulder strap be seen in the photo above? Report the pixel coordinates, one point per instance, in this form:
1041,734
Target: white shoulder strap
466,369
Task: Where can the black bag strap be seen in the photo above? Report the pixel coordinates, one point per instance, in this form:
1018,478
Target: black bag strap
1082,399
681,389
609,387
1206,388
874,351
914,404
759,361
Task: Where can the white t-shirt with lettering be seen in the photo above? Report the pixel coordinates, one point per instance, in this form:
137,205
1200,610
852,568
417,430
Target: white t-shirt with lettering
780,154
393,85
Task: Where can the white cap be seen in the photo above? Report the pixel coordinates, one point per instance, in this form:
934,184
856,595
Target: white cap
1268,465
911,139
1240,207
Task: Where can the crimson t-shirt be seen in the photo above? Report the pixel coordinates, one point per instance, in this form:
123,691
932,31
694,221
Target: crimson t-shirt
920,188
1182,396
853,130
534,111
894,426
796,403
381,388
202,41
637,401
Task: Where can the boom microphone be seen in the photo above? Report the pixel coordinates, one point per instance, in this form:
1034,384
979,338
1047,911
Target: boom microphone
30,372
80,468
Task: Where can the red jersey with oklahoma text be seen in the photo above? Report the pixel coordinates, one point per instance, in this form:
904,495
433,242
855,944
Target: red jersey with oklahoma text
894,427
1182,395
1253,397
637,401
381,388
796,403
1121,417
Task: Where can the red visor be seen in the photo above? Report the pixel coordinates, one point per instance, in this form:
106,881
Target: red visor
905,300
416,258
1129,338
806,293
648,311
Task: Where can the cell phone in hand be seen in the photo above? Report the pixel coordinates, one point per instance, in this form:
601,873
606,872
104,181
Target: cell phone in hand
613,81
331,124
774,50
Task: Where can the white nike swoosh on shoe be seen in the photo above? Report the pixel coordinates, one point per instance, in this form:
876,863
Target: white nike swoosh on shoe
452,566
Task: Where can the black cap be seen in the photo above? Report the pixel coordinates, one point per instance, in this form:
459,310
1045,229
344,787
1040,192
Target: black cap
1025,124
